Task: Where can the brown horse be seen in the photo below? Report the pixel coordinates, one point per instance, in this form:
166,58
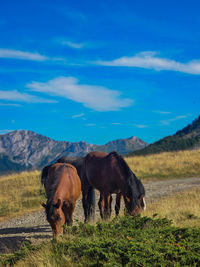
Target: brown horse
63,188
109,173
77,163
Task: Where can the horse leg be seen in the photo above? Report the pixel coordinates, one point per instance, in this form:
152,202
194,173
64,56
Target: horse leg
108,205
118,202
101,204
84,202
68,210
69,219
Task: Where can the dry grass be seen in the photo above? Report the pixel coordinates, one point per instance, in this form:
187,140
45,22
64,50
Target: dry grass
166,165
182,208
20,193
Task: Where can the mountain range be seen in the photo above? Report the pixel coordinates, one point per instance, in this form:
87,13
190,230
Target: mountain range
27,150
187,138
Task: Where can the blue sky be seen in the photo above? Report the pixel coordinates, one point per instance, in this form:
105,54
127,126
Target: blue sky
99,70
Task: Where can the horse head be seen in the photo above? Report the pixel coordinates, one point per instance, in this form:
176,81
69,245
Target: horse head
134,197
55,216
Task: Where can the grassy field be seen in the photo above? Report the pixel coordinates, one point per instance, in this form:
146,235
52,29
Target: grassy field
166,165
150,240
183,208
21,193
124,241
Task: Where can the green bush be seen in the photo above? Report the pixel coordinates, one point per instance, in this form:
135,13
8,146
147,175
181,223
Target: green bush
125,241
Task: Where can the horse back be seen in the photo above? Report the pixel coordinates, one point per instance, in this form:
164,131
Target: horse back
104,172
76,162
63,182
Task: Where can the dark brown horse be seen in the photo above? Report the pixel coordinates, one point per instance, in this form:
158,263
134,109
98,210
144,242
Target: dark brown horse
63,188
109,173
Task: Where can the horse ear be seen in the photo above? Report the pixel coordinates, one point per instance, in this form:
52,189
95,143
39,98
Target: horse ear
43,204
57,205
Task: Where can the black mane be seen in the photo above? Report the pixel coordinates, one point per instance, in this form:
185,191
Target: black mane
134,185
44,175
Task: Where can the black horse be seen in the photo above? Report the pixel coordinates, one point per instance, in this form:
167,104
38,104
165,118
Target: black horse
109,173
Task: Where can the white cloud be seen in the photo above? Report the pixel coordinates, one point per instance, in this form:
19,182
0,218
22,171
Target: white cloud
14,95
140,126
17,54
116,123
8,104
162,112
150,60
73,45
78,115
91,96
90,124
5,131
167,122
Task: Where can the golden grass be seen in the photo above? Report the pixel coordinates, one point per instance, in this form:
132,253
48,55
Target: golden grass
166,165
44,258
20,193
183,208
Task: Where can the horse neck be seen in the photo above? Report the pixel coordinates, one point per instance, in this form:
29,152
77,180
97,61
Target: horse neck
126,171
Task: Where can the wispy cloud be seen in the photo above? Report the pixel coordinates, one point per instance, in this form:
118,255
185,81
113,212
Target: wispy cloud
91,96
9,104
14,95
140,126
5,131
73,44
17,54
116,123
151,60
24,55
162,112
78,115
167,122
90,124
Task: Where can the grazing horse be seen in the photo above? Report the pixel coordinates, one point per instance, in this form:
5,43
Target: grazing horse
109,173
63,188
77,163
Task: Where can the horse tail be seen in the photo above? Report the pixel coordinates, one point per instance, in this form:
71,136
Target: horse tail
89,197
91,202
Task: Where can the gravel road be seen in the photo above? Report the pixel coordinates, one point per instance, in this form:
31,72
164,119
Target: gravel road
34,228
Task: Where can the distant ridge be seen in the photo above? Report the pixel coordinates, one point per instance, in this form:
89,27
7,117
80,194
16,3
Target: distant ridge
27,150
123,146
187,138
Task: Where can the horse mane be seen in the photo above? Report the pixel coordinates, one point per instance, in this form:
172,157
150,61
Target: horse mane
44,174
134,185
127,171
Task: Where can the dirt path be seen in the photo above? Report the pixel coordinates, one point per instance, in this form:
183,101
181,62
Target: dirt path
33,228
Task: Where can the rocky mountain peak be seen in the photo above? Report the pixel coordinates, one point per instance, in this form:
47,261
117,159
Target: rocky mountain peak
33,150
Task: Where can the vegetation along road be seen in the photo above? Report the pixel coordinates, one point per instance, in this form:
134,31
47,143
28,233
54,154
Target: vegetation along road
34,228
